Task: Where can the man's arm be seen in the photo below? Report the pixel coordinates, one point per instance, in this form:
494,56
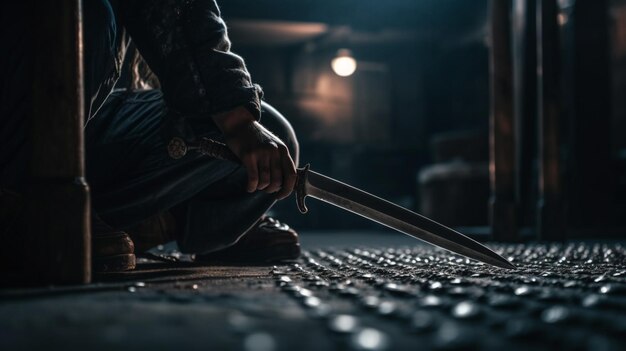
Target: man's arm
185,43
265,156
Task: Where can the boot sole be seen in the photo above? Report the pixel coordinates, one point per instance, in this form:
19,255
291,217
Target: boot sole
114,263
272,254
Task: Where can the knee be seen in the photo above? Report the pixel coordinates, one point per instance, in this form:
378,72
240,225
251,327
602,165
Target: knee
280,126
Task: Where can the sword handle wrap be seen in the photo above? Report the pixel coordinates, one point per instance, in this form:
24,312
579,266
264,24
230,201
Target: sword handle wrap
178,148
216,149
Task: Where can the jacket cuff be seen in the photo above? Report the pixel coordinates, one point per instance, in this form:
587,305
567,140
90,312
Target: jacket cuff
248,97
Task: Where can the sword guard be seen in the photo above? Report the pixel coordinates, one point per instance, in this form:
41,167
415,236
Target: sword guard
301,188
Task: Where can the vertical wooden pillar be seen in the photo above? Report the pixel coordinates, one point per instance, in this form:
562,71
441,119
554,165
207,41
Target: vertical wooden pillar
590,175
525,107
57,200
549,205
502,212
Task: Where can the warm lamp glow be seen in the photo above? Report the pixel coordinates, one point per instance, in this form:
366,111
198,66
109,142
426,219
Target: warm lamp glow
343,64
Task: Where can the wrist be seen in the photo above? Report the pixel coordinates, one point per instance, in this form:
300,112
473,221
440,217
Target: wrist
233,121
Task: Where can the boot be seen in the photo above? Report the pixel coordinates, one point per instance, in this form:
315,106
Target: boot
111,250
268,241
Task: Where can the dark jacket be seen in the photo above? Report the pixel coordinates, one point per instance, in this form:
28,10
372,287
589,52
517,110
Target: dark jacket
184,42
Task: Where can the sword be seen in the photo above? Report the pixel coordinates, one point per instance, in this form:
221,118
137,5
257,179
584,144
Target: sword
349,198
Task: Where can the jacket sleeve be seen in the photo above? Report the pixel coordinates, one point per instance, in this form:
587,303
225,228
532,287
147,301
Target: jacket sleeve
185,43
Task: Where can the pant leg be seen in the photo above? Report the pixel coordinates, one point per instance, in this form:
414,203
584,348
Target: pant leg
132,177
129,171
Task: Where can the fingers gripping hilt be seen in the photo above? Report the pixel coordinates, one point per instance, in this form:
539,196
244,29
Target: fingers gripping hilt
177,148
301,188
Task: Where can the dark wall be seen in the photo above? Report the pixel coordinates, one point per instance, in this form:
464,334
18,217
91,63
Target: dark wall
371,129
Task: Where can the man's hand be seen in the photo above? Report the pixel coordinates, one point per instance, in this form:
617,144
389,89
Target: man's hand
264,155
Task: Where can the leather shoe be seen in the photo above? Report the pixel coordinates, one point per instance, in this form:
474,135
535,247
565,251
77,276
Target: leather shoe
268,241
111,250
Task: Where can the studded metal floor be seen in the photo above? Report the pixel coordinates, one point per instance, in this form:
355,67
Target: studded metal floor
363,297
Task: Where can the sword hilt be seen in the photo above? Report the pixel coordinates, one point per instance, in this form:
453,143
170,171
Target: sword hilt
177,148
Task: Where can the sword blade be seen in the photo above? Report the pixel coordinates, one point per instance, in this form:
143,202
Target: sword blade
393,216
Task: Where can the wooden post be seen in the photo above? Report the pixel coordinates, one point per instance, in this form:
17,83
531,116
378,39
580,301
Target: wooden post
590,176
502,214
57,200
525,107
549,205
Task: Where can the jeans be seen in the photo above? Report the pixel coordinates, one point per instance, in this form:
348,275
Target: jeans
132,177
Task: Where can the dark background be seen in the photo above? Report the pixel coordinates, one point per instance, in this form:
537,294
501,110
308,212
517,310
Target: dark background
411,124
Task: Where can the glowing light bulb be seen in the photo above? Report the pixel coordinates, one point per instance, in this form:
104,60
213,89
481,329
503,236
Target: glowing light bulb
343,64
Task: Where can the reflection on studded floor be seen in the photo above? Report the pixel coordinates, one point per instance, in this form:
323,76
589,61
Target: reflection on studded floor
561,296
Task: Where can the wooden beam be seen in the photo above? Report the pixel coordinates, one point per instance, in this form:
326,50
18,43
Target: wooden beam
502,214
525,108
549,205
590,176
57,200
